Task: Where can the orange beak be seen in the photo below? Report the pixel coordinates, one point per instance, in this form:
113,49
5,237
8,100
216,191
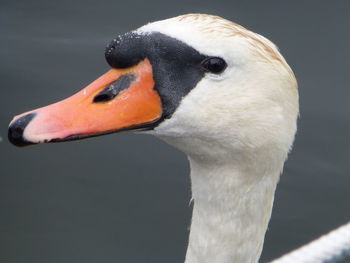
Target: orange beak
120,99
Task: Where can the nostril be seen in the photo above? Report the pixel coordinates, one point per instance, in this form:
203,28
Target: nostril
113,89
16,130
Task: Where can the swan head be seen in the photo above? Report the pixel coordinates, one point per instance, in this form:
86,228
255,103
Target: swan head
250,106
217,91
202,83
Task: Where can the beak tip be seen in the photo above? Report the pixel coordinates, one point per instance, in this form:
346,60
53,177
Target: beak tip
16,130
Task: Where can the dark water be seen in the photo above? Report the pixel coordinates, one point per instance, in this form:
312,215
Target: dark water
124,197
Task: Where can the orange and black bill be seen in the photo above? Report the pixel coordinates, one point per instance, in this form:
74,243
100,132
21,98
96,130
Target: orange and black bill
121,99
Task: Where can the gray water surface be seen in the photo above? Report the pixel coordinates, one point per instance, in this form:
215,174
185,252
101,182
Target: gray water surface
125,197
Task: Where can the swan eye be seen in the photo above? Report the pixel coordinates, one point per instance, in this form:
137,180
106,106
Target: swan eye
214,65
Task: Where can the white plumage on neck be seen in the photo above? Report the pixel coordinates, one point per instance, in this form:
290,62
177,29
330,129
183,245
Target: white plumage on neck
232,207
233,197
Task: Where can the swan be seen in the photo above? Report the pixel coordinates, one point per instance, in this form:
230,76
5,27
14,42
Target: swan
219,92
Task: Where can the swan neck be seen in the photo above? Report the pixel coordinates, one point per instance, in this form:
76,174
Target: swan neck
232,208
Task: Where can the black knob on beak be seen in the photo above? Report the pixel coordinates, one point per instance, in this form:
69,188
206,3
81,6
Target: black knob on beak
16,129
